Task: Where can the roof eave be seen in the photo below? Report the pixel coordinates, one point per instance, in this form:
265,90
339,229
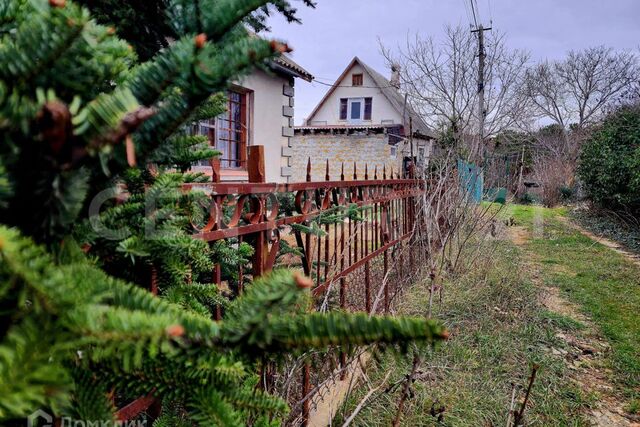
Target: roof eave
280,68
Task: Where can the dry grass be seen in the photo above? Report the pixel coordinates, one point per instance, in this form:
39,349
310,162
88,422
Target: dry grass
498,330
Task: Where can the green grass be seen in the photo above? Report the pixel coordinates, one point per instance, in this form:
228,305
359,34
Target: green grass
561,321
604,283
524,214
633,407
498,331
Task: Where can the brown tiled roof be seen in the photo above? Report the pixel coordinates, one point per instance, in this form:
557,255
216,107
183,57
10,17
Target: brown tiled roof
347,126
288,63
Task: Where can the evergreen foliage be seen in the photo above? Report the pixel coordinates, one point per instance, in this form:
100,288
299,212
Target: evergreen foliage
144,24
610,161
75,333
82,124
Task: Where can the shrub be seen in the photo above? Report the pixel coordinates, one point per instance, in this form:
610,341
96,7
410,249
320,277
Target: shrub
553,174
566,192
528,199
610,161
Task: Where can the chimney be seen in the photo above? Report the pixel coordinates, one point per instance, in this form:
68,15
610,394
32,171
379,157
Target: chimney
395,76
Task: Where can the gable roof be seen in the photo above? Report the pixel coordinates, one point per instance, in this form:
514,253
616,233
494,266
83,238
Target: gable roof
391,93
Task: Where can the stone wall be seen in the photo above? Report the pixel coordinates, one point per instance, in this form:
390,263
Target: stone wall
370,149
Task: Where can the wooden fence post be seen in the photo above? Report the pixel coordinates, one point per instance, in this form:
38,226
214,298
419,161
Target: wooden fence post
255,169
306,370
260,243
255,164
215,169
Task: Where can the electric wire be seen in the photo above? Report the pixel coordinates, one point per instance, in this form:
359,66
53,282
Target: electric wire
473,10
467,12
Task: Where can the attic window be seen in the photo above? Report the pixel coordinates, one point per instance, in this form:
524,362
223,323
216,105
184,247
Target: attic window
355,110
356,79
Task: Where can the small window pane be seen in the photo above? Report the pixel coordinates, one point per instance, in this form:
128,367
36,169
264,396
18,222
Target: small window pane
355,110
228,131
367,108
356,79
343,109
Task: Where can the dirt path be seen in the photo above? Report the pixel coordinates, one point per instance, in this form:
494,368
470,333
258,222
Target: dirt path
584,350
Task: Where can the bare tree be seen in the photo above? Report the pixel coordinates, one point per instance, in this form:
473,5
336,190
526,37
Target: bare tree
574,94
440,76
507,105
577,90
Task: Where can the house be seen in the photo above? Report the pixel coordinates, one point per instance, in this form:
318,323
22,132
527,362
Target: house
259,112
362,118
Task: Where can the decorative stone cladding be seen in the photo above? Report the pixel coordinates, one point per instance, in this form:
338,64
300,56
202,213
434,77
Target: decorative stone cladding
286,152
372,149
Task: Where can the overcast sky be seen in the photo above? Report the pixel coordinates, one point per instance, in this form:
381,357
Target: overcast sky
337,30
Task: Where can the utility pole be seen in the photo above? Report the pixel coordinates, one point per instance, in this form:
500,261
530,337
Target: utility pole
481,114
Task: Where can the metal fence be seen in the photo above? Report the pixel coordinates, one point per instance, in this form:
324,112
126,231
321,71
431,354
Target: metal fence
349,235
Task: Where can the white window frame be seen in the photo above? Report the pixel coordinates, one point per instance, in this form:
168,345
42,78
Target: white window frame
350,101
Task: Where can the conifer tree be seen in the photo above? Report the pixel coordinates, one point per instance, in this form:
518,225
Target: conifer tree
78,333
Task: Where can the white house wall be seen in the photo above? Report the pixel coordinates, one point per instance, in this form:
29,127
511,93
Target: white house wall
270,122
329,111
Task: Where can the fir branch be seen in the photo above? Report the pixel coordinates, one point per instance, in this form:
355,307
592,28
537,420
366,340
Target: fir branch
45,35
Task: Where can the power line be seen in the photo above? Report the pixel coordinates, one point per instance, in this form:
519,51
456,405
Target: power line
478,11
490,12
417,79
417,97
467,12
365,87
473,10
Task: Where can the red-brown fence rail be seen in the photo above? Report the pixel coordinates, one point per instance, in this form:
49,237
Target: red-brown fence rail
347,235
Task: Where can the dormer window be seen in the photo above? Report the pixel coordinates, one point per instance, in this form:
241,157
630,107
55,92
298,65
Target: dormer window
356,79
355,110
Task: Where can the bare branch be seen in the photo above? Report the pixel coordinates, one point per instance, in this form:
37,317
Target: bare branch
577,90
441,80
